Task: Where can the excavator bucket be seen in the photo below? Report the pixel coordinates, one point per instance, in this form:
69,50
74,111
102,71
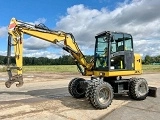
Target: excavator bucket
152,91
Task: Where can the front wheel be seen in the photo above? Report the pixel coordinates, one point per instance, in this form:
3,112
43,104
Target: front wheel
138,88
99,94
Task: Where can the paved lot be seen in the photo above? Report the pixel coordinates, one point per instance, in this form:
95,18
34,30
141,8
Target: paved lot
148,109
45,97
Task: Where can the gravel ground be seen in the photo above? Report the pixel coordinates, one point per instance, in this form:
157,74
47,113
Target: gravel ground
44,96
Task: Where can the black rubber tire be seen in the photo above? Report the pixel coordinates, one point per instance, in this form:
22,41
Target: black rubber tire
93,94
69,86
135,88
74,88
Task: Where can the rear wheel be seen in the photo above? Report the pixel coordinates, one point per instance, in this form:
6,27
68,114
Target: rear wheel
75,88
138,88
99,94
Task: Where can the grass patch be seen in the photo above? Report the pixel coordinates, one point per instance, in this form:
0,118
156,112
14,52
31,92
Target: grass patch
151,68
3,69
71,68
51,68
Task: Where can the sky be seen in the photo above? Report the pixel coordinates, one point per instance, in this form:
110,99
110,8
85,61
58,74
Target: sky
84,19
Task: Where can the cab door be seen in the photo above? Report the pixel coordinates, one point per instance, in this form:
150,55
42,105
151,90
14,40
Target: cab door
129,53
121,54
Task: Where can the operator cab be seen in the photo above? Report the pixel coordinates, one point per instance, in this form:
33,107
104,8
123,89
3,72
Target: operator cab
114,51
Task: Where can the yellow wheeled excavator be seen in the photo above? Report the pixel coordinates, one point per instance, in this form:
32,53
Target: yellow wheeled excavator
114,57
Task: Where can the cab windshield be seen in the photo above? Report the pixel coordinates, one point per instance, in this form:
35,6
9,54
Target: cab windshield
101,51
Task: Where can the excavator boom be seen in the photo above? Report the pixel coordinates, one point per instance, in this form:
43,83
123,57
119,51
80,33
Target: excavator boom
66,41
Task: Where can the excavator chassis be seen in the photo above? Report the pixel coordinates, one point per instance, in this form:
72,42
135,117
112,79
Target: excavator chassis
100,91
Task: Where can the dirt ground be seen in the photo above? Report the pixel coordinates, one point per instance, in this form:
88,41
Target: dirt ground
44,96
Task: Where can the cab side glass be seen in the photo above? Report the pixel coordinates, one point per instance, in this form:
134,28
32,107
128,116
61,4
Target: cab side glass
128,42
117,43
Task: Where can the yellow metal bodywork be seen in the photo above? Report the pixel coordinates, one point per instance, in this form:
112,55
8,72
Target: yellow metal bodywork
137,70
18,51
115,73
17,38
138,63
18,28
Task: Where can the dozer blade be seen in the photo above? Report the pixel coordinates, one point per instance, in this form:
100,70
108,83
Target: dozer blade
152,91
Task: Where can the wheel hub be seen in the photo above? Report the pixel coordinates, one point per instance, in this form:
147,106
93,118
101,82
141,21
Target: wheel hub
142,88
104,95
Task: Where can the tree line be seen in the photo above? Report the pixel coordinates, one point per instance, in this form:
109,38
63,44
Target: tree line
151,60
63,60
66,60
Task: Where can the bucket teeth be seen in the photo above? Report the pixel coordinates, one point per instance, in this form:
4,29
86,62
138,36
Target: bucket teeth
16,78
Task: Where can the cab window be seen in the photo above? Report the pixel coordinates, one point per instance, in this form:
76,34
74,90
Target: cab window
128,42
117,43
